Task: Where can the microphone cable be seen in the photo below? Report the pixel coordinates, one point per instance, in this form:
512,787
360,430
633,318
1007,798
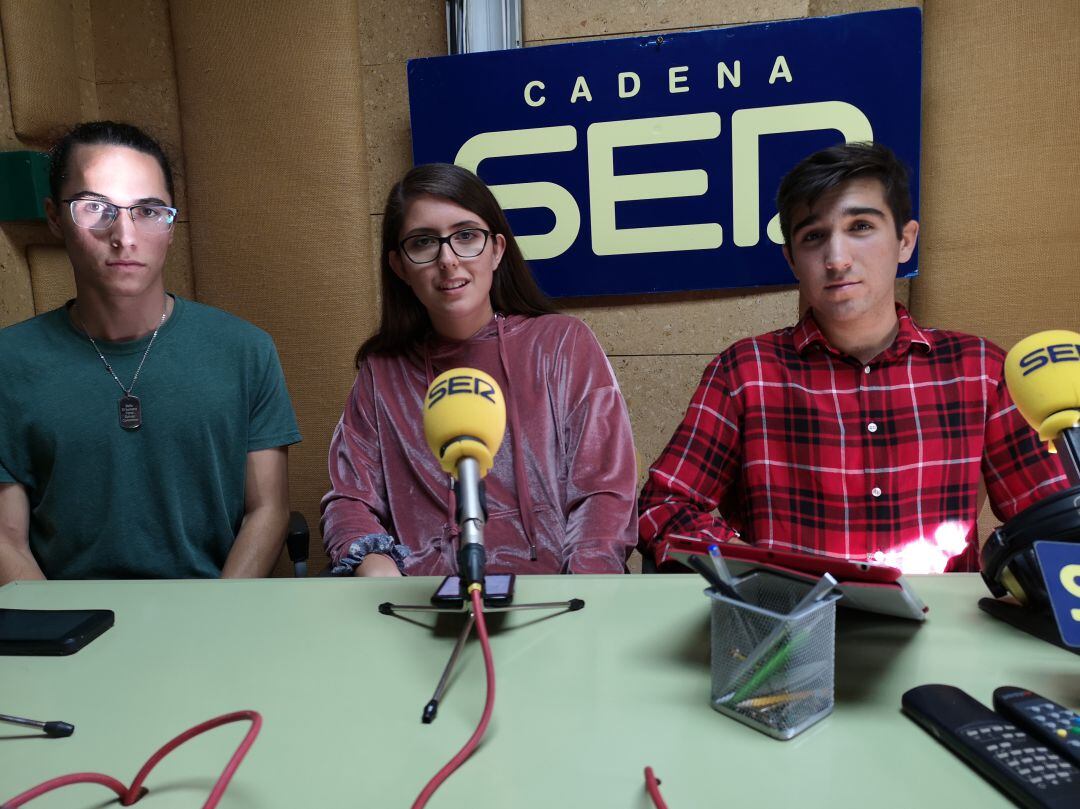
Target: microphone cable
652,786
485,718
130,795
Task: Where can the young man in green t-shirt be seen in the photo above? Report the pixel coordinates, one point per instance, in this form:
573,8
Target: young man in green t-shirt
141,435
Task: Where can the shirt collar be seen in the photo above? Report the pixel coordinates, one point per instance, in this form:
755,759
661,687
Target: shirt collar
808,335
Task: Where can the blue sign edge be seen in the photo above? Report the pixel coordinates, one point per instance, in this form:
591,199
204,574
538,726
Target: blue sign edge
1050,543
909,269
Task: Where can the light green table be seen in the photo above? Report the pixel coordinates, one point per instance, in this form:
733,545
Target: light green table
584,700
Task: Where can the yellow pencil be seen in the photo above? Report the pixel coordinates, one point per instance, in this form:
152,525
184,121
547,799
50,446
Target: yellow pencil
775,699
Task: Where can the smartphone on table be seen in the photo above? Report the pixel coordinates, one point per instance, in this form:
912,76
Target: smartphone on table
498,591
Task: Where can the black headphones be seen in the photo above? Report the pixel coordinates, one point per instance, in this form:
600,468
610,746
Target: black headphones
1009,564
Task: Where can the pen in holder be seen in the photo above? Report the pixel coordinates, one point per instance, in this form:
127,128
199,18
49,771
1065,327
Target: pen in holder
773,652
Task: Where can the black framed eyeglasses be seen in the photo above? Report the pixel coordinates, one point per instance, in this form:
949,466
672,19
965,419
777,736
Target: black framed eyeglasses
424,247
97,214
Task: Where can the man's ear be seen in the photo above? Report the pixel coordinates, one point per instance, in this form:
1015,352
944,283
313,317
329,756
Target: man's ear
52,216
908,237
395,265
787,257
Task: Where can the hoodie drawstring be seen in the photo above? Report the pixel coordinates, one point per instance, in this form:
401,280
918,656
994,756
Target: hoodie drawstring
525,503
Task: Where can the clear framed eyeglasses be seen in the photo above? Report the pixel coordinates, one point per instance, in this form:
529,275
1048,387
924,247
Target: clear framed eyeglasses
466,243
97,214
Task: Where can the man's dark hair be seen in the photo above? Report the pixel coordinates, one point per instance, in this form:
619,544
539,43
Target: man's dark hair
103,133
822,171
405,323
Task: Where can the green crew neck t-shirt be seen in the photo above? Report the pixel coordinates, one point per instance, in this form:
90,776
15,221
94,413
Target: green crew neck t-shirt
165,500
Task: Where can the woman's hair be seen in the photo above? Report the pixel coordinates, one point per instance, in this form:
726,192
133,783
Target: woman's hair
404,322
104,133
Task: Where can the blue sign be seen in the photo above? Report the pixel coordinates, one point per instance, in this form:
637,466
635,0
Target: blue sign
1060,563
650,164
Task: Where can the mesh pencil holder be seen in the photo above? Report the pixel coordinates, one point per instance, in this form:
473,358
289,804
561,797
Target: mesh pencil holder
773,669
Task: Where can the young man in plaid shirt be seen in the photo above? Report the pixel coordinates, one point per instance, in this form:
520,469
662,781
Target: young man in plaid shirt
856,433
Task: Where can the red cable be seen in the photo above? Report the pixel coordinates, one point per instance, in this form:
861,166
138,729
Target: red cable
129,795
652,786
485,718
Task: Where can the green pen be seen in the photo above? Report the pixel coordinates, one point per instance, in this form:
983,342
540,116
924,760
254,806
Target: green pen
775,638
770,666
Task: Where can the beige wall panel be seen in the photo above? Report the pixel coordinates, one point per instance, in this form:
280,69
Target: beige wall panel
88,101
132,41
273,139
16,292
387,133
84,54
50,275
986,522
821,8
562,19
373,271
82,33
1001,168
392,31
22,238
687,323
657,390
8,139
386,43
43,68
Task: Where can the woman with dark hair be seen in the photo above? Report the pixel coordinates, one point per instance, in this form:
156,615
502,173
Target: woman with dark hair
456,292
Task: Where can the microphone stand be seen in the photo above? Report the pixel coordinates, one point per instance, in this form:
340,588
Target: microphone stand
1067,445
471,515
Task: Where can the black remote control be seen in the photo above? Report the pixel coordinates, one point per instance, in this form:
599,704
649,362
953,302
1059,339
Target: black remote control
1054,725
1030,773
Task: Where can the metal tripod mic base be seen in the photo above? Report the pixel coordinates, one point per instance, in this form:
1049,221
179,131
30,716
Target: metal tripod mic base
432,707
570,605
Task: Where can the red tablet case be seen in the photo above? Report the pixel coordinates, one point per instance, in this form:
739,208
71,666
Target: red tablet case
864,586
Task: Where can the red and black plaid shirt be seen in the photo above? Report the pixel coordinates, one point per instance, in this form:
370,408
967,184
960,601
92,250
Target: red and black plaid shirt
804,448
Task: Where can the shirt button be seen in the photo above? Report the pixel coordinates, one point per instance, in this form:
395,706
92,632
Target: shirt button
866,370
871,427
875,491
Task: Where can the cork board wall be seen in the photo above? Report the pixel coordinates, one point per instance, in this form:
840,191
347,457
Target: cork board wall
251,101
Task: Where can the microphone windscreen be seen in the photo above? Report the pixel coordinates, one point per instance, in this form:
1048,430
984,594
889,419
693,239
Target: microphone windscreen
464,416
1042,373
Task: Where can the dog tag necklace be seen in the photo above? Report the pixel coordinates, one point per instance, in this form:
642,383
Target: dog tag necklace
129,407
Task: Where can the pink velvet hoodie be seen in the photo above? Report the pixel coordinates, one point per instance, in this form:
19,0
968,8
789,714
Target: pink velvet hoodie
573,446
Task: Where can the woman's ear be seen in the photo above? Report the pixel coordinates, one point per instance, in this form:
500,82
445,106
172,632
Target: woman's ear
395,264
498,247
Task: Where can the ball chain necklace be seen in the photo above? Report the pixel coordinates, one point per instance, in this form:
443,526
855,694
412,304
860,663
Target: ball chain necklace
129,408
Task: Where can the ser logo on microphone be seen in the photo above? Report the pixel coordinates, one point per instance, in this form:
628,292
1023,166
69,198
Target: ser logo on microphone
450,386
1044,355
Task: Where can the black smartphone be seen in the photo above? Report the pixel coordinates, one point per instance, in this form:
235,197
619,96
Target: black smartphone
498,591
50,632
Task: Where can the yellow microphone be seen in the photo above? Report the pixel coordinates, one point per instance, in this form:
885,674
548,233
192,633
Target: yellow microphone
464,423
464,416
1042,373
